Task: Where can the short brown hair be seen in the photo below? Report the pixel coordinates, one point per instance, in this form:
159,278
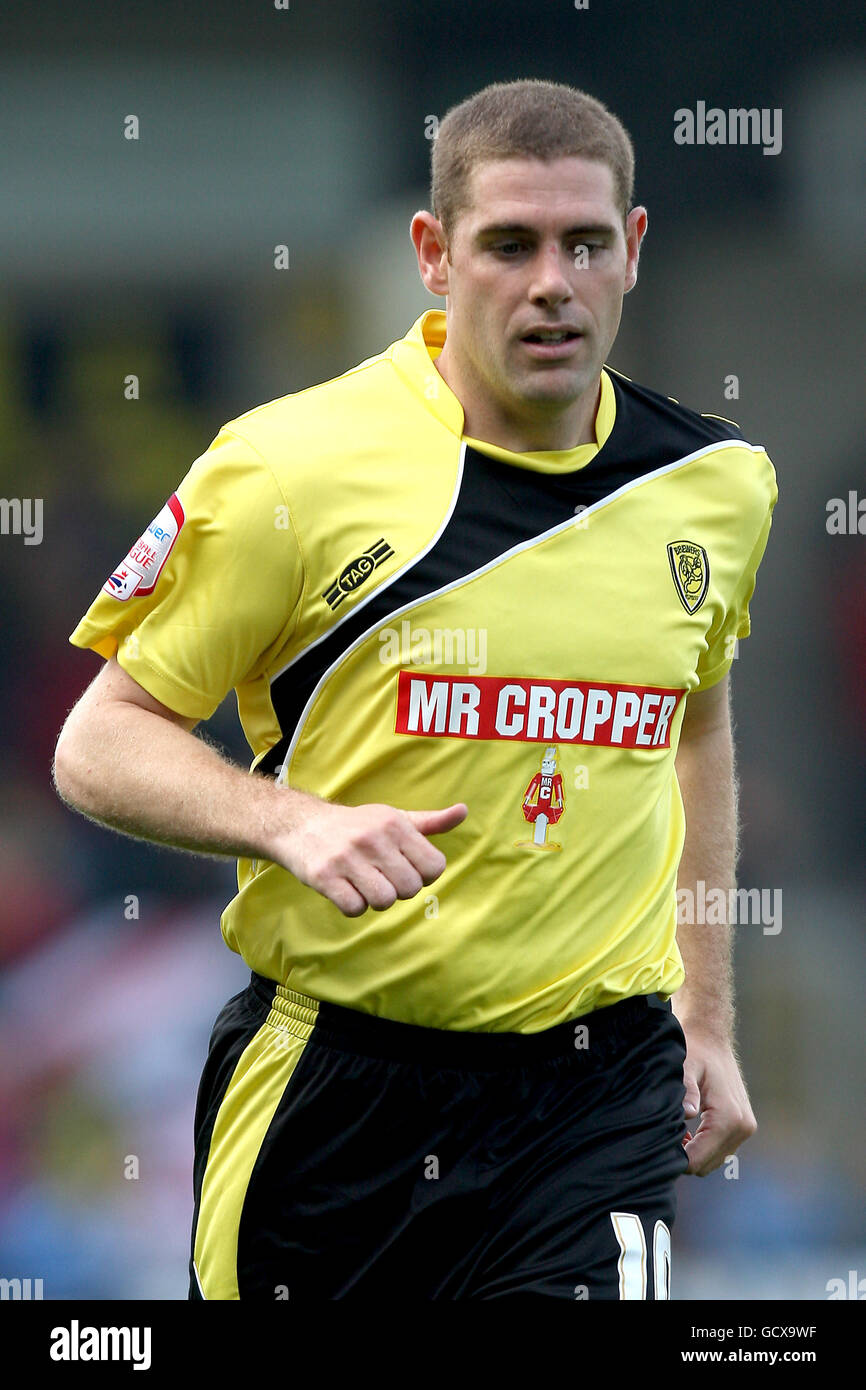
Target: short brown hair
528,119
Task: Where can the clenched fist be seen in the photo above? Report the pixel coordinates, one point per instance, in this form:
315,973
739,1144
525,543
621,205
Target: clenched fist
364,856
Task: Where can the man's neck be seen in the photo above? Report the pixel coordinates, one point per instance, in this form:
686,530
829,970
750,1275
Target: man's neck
567,429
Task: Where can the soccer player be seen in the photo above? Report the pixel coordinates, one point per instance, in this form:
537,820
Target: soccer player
479,580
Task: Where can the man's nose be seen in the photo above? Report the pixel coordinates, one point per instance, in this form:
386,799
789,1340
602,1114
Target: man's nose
552,274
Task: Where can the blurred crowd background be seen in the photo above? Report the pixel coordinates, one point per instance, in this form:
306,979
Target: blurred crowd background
305,126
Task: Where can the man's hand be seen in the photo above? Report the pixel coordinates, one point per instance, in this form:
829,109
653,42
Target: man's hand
131,762
365,856
715,1091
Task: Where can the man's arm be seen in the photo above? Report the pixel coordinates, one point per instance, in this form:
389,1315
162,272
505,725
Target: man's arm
705,1003
128,761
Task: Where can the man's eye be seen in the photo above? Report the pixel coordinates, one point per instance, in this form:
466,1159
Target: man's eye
507,247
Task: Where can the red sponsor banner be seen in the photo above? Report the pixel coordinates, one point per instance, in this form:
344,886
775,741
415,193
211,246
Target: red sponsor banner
535,711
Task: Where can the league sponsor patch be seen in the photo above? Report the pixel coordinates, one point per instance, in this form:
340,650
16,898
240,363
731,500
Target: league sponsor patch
142,567
536,711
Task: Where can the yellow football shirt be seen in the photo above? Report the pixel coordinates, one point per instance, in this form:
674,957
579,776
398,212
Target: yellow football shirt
411,617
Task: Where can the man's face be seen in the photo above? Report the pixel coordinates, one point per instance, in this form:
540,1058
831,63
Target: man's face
542,245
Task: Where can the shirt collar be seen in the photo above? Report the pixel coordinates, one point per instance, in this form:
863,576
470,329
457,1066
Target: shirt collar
414,355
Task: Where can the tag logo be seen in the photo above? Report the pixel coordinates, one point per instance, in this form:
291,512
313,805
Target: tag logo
356,572
690,568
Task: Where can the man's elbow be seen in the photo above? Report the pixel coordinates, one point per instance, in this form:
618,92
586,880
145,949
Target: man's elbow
72,769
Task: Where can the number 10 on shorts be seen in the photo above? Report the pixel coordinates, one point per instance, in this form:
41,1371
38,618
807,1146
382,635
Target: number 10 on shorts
632,1263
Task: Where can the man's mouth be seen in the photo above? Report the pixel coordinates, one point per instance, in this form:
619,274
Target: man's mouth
551,344
551,335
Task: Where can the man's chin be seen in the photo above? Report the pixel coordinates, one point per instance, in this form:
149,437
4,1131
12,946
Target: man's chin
560,387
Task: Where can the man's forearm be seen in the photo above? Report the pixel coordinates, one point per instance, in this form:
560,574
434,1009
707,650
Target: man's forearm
137,772
706,774
128,761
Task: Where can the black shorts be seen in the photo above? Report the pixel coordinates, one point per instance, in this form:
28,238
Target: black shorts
340,1154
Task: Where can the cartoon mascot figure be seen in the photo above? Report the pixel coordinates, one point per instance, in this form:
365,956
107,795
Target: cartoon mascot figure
543,803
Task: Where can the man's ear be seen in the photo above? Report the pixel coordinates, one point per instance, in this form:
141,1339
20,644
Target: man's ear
635,231
431,248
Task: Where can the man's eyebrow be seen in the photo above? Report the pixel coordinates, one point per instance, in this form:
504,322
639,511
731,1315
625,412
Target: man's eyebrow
519,228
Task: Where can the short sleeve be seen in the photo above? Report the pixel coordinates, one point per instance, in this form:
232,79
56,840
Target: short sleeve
735,623
211,590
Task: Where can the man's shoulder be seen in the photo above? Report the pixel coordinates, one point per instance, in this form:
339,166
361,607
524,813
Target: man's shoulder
652,406
322,410
664,433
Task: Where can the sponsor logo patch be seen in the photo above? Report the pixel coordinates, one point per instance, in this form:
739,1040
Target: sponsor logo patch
142,567
690,567
536,711
352,576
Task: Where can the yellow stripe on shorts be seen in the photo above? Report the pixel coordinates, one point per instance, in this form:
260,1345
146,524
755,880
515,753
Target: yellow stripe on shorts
264,1069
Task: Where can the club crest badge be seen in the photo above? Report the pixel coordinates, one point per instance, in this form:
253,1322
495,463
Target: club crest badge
543,803
690,567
